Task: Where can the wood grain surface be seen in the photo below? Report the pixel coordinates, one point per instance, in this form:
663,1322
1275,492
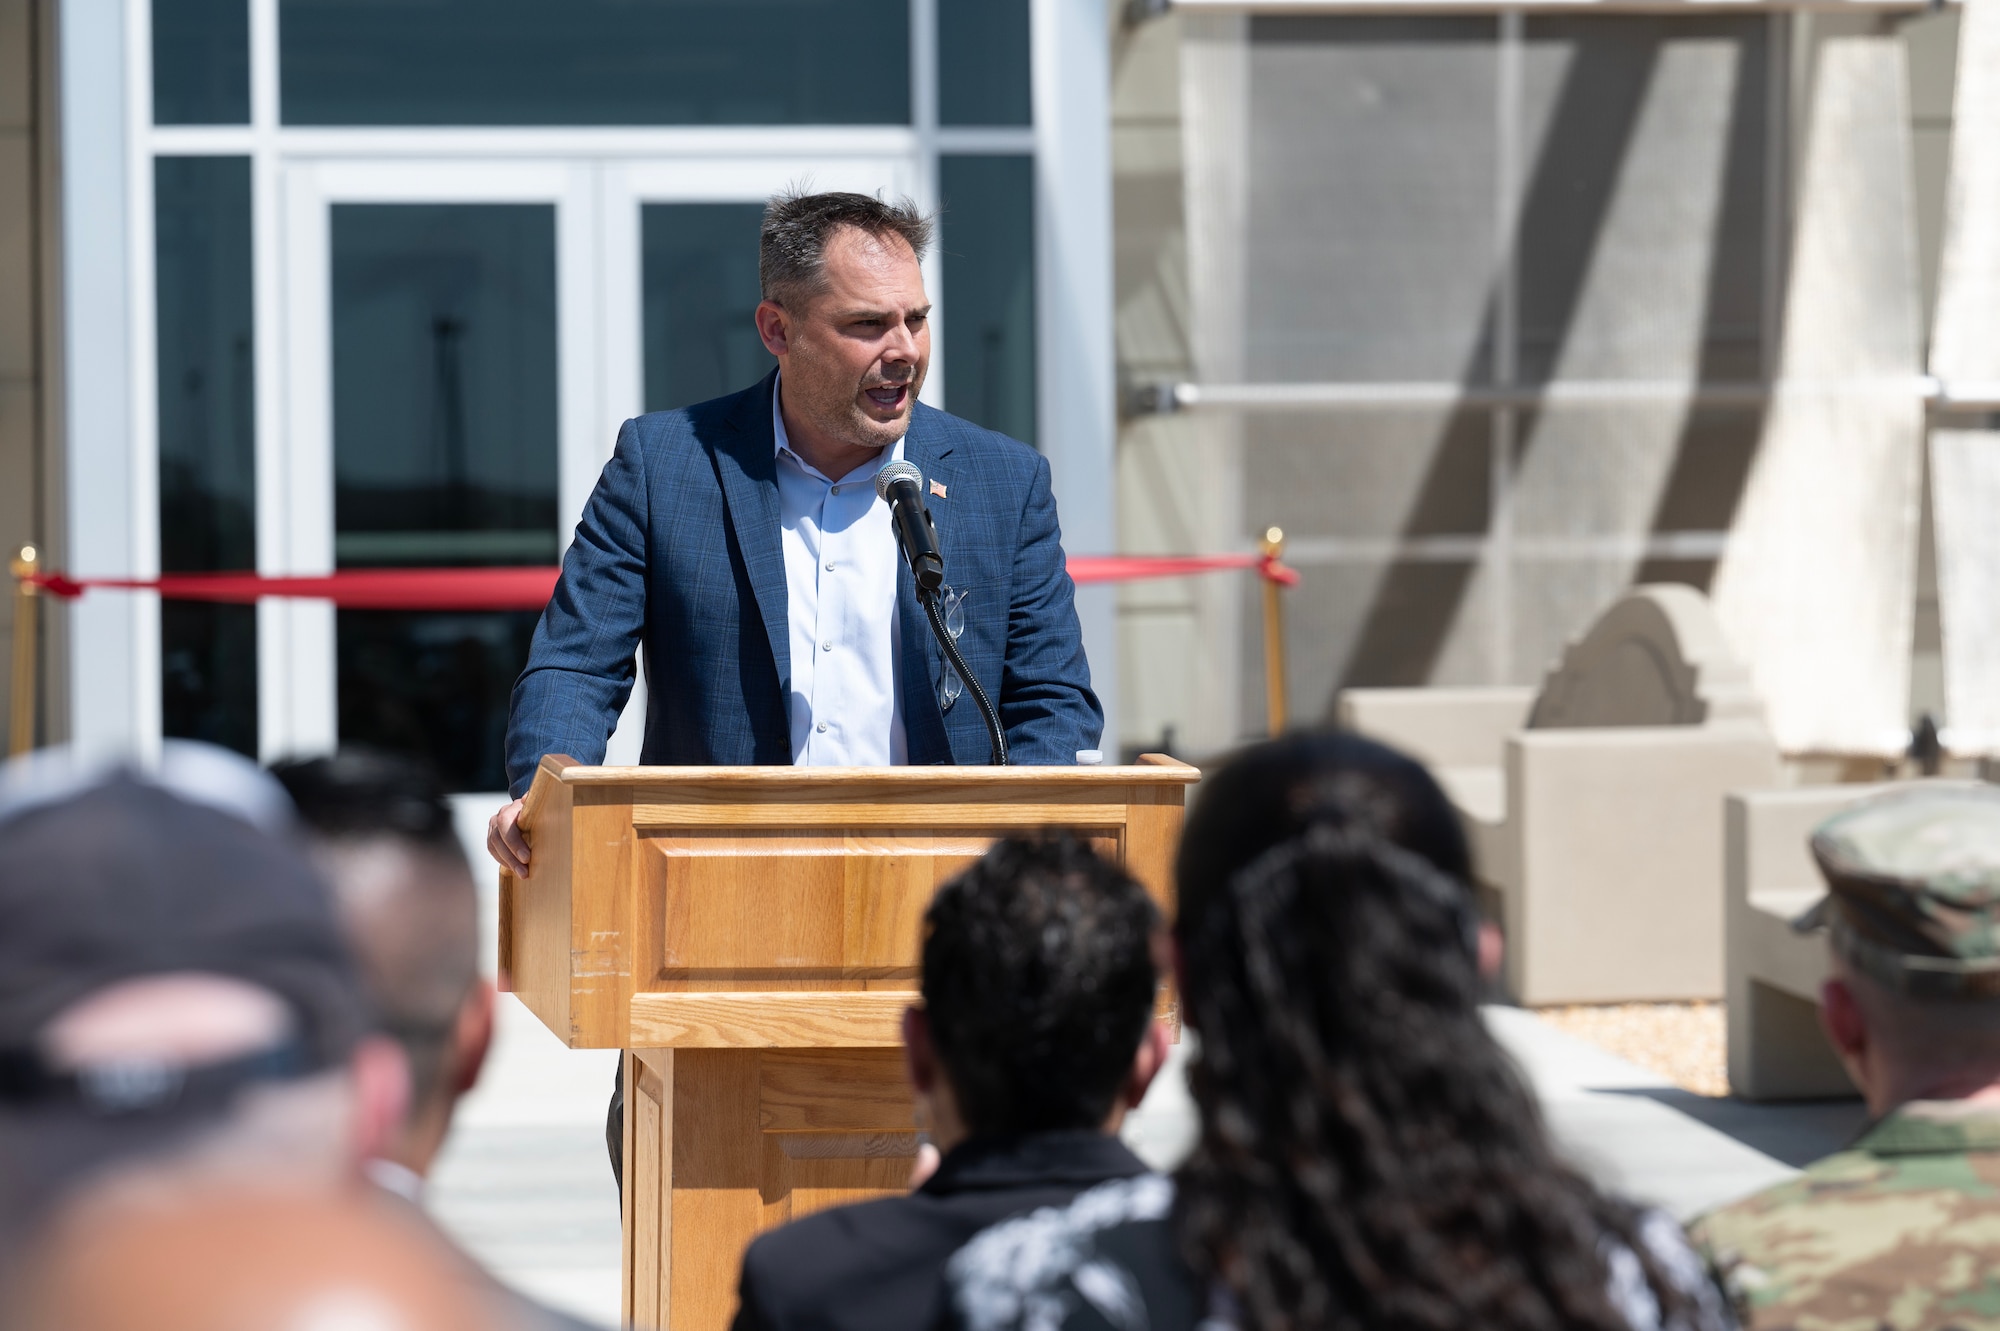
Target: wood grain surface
751,936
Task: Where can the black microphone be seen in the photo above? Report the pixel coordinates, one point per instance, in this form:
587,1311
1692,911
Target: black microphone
902,485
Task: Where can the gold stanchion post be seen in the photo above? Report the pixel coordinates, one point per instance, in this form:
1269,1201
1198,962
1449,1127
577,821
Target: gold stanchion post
21,701
1274,638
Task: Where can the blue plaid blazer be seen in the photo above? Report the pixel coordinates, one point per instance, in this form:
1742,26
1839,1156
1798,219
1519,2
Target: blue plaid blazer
679,550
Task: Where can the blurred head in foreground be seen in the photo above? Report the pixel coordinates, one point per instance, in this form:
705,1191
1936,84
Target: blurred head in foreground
1912,917
235,1259
174,991
1368,1154
1040,965
380,829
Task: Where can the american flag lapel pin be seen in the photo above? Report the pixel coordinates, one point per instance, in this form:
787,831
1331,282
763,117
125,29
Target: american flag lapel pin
937,489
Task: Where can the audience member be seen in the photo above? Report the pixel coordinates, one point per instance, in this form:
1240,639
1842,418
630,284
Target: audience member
1369,1157
242,1259
380,829
1900,1231
1034,1037
173,987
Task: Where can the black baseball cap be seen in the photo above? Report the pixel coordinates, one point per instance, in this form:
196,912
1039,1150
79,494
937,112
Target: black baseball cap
109,875
126,879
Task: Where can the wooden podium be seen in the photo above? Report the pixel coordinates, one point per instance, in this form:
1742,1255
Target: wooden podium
749,936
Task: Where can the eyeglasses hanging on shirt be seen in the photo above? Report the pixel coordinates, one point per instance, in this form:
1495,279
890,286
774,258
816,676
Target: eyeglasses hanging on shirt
950,686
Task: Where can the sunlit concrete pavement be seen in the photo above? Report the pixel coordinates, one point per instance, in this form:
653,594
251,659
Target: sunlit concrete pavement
525,1186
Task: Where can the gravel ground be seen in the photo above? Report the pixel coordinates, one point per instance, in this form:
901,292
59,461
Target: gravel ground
1681,1041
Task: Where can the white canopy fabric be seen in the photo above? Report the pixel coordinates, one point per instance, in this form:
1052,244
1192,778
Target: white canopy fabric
1965,353
1965,499
1817,586
1965,334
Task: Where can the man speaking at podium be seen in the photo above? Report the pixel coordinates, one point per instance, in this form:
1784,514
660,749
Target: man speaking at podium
742,541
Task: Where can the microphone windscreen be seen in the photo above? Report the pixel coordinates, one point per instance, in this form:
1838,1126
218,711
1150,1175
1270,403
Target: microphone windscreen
898,470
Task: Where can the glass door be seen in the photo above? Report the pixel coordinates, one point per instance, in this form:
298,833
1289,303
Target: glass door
441,321
680,248
463,338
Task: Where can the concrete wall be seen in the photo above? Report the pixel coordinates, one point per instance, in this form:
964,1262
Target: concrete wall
1932,43
1191,654
1179,672
23,265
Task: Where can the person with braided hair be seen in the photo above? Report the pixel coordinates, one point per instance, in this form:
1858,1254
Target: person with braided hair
1369,1156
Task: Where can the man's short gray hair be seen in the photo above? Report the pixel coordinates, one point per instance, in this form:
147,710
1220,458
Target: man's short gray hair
791,258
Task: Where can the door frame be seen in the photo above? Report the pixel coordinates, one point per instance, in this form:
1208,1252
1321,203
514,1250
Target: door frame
600,357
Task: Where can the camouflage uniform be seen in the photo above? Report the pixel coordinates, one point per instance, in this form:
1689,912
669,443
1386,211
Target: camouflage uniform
1901,1231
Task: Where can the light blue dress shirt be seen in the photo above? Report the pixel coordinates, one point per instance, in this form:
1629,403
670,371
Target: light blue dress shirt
840,598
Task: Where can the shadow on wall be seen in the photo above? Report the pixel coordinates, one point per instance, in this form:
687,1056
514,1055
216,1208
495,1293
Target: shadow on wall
1562,222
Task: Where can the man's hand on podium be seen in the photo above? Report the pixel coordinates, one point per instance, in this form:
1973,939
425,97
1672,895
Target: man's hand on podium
505,843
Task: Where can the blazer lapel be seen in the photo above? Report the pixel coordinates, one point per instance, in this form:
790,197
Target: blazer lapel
748,466
923,718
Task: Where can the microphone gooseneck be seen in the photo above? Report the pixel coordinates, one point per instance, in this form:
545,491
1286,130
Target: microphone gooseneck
996,738
901,485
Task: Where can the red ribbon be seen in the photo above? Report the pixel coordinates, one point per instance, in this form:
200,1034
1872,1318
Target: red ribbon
529,588
1133,568
351,589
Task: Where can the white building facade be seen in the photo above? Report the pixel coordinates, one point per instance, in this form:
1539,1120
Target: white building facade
333,285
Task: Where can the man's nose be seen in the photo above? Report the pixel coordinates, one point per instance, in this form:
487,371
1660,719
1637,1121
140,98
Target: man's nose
901,345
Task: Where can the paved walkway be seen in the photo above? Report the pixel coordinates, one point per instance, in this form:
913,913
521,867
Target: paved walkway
524,1183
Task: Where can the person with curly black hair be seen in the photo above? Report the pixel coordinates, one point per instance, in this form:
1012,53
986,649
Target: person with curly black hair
1035,1035
1369,1156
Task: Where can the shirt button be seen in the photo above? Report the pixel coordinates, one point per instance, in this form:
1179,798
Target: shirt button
821,727
836,489
826,646
829,567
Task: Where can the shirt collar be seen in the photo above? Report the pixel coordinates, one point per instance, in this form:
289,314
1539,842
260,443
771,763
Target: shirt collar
394,1178
1933,1127
1082,1157
782,441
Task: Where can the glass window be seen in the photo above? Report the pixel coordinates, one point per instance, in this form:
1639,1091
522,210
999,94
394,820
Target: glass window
201,62
987,238
700,276
433,686
983,62
444,440
594,62
207,435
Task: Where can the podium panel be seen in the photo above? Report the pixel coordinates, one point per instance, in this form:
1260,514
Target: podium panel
751,938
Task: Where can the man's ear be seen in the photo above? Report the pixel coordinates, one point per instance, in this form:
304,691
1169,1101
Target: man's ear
1492,951
472,1036
919,1054
381,1076
1846,1028
1147,1060
774,326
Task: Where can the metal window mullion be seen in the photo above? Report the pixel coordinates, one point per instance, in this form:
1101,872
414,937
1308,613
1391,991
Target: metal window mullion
929,174
1506,342
142,349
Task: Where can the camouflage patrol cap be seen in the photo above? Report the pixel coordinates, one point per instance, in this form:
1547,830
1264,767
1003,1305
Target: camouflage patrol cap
1914,888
